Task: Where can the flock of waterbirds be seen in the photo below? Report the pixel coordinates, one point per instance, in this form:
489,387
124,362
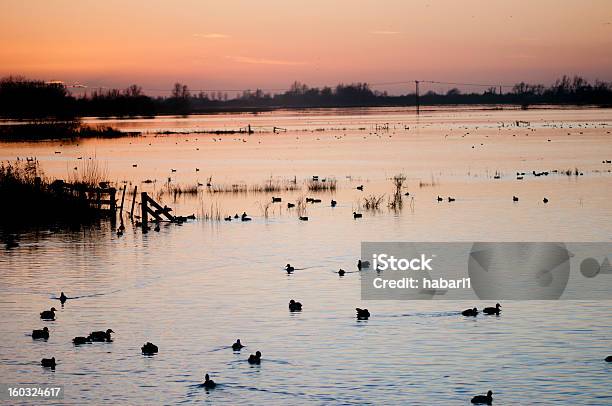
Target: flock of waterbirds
150,349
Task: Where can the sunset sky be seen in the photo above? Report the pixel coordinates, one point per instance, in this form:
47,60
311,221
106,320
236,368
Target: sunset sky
268,44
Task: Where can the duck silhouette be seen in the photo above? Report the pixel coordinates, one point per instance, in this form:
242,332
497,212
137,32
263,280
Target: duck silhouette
63,298
290,205
149,349
609,358
362,314
100,336
295,306
304,218
276,199
362,264
360,187
357,215
483,399
451,199
208,383
341,272
439,199
470,312
515,199
156,229
48,362
545,200
333,203
80,340
255,359
228,218
237,345
492,310
289,268
244,217
40,334
48,314
236,216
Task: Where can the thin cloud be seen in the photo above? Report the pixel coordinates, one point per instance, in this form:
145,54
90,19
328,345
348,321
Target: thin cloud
212,35
384,32
264,61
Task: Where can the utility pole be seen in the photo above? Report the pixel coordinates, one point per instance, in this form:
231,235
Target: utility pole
418,107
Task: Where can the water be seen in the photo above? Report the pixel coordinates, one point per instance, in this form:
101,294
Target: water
193,289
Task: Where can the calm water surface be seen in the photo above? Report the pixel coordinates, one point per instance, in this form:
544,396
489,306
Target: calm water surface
193,289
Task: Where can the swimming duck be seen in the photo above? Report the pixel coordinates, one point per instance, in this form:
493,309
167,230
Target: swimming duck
100,336
295,306
609,358
237,345
492,310
357,215
228,218
440,199
244,217
470,312
63,298
341,272
40,334
236,216
362,264
276,199
289,268
545,200
362,314
290,205
360,187
48,314
48,362
304,218
483,399
333,203
451,199
208,383
255,359
149,349
514,199
156,229
80,340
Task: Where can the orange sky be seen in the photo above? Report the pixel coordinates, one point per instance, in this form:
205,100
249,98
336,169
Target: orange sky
268,43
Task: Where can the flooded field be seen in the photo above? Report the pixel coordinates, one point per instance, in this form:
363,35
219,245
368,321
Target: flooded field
193,289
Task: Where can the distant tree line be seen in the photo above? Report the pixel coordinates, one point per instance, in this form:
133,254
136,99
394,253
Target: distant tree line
25,98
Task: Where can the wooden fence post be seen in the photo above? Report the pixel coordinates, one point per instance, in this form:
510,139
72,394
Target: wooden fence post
122,199
112,192
133,202
144,209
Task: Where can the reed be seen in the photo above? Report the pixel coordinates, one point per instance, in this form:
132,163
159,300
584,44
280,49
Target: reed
211,213
324,185
300,206
90,173
372,202
31,199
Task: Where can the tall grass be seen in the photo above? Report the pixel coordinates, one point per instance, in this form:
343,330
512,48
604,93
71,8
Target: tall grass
90,173
29,198
300,206
372,202
323,185
211,213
